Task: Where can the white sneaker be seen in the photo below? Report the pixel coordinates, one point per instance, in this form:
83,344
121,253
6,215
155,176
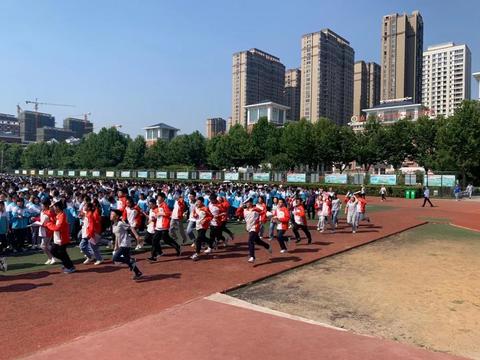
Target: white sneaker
251,260
208,250
3,264
88,261
48,262
192,244
54,261
283,251
194,257
318,229
98,262
353,232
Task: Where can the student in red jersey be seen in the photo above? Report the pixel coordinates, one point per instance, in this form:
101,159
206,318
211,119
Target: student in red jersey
281,216
46,235
203,217
215,224
122,202
225,209
176,223
362,208
300,221
262,207
61,237
162,225
252,215
91,229
134,218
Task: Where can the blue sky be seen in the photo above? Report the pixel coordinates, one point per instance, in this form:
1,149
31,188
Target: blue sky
137,63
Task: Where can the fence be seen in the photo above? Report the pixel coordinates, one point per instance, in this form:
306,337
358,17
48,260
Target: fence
347,178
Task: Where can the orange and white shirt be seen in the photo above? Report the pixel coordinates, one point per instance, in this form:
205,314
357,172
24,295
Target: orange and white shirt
299,215
283,217
203,218
163,213
252,219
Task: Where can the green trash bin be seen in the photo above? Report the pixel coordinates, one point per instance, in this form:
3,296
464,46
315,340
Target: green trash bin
412,194
407,194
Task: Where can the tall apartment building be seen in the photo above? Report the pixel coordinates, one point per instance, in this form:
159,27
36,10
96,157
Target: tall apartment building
366,88
402,50
327,77
9,124
216,126
256,76
31,121
446,77
79,127
292,93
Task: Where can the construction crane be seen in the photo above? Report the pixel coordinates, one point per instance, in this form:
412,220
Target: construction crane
35,106
36,103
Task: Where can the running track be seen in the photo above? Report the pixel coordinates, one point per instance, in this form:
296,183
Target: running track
166,315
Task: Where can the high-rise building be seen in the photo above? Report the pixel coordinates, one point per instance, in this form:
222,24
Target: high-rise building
366,88
402,49
446,77
256,76
292,93
47,133
216,126
79,127
31,121
9,124
327,77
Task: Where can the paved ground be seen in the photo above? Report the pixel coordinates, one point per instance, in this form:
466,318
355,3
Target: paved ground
419,287
48,308
205,329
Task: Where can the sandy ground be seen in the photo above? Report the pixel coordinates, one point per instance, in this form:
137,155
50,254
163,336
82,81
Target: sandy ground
421,287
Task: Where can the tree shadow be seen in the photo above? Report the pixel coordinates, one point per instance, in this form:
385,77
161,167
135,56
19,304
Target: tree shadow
302,250
325,243
22,287
156,277
103,269
27,276
279,260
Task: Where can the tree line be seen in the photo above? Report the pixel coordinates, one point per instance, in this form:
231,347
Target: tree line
448,144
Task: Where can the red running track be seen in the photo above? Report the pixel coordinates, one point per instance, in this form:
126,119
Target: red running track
48,308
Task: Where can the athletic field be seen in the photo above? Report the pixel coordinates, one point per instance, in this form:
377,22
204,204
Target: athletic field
183,309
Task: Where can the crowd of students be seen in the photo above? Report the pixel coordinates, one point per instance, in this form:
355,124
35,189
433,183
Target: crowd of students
48,215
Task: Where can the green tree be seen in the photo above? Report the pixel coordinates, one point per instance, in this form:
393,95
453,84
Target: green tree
397,142
135,154
298,142
424,141
264,141
343,146
368,145
156,155
103,150
458,140
10,156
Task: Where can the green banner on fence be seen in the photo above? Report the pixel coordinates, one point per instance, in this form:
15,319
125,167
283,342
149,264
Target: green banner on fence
295,177
261,177
336,178
383,179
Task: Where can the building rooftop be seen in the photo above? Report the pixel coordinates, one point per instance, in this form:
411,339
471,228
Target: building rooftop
261,53
267,103
162,126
